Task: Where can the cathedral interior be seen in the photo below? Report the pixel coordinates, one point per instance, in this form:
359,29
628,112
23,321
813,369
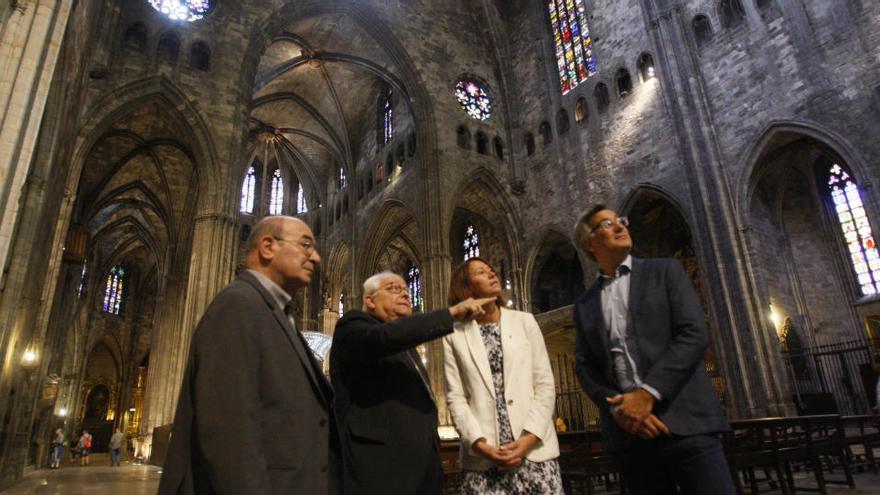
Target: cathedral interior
140,143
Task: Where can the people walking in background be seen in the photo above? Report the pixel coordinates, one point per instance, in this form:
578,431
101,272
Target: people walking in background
84,446
641,336
500,392
57,452
117,441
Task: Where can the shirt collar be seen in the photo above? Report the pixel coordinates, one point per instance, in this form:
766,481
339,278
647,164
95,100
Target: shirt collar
281,297
624,268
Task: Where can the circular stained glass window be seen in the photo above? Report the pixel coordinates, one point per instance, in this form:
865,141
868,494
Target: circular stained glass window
474,99
182,10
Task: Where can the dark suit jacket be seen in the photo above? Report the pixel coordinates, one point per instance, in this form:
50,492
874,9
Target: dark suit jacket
666,319
254,414
386,412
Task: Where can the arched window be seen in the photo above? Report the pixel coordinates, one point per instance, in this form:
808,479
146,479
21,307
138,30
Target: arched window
113,291
702,29
414,286
341,179
601,96
499,148
276,197
731,13
387,118
645,66
169,46
248,188
136,37
856,229
546,133
463,137
482,143
562,123
200,56
574,54
83,277
183,10
301,206
530,144
340,304
473,99
580,110
471,242
624,83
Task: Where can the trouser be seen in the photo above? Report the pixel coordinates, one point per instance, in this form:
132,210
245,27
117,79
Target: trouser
57,453
114,456
695,464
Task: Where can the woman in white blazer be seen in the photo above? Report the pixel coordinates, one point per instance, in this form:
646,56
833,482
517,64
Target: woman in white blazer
500,391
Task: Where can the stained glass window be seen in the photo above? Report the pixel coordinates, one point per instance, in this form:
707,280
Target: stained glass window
471,242
342,179
341,304
856,229
113,291
388,119
414,286
182,10
277,195
574,53
247,191
82,279
474,99
301,206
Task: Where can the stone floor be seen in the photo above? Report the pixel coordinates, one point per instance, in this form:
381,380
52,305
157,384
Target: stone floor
130,479
96,479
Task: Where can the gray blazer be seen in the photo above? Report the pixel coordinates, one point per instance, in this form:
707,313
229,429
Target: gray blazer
670,337
254,414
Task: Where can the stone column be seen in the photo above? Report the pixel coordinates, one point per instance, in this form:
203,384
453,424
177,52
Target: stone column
29,46
211,264
436,271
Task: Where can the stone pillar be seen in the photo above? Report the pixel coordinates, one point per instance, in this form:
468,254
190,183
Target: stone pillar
29,46
436,271
210,268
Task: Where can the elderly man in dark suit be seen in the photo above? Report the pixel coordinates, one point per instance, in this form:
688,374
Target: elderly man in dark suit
254,414
641,336
385,407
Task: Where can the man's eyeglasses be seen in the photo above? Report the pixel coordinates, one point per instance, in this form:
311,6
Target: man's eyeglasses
395,288
609,223
308,247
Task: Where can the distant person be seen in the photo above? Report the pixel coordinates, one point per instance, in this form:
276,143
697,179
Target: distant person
641,336
84,446
57,447
500,392
117,441
384,403
255,411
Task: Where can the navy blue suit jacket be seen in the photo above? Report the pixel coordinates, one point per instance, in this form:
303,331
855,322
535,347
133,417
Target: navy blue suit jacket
666,320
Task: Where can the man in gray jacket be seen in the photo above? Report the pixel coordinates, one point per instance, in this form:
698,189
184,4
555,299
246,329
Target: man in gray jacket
254,414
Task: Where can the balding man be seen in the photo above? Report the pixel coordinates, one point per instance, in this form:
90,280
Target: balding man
385,407
254,415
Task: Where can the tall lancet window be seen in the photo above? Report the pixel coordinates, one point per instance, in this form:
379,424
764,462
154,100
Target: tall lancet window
113,291
84,276
342,180
856,229
471,242
276,198
414,286
248,187
387,119
574,52
340,306
301,206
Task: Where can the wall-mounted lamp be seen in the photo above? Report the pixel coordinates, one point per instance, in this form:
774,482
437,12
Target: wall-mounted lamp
62,412
29,359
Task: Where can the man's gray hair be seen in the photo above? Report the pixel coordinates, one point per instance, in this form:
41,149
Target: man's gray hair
373,283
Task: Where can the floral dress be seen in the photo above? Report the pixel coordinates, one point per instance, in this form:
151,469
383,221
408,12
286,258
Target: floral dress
530,478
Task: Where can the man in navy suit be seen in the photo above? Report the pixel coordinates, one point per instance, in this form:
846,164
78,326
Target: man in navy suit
641,335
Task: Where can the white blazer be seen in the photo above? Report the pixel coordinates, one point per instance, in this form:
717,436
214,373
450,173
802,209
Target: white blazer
528,387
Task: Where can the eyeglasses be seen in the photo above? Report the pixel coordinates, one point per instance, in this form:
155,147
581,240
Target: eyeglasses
308,247
395,288
608,223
